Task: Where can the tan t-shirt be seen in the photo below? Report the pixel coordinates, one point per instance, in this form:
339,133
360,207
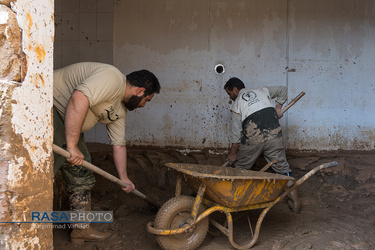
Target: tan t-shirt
104,86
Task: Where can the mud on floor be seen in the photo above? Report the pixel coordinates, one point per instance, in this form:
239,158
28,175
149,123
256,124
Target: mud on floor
338,204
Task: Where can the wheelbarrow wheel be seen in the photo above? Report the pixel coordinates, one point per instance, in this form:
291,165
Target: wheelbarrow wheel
174,214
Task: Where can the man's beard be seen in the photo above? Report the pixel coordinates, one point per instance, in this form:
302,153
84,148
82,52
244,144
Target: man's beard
133,102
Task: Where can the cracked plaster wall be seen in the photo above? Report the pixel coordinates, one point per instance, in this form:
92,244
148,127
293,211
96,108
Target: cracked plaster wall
26,179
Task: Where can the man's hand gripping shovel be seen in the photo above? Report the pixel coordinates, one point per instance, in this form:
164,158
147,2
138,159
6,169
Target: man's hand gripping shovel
105,174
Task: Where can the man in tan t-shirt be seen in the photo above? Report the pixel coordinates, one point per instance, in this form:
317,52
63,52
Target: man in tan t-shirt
83,95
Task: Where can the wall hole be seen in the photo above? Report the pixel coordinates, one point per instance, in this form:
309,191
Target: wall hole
219,69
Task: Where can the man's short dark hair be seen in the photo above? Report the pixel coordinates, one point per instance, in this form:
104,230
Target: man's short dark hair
234,82
144,79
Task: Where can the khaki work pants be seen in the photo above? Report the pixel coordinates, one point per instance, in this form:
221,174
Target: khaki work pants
272,150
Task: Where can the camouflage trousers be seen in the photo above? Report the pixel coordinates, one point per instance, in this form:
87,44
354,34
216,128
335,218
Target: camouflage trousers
77,178
80,201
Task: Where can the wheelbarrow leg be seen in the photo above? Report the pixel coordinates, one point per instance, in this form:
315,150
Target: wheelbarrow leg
198,201
294,202
178,186
256,232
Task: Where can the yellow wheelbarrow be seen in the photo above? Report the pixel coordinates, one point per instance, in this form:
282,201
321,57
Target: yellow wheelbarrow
182,222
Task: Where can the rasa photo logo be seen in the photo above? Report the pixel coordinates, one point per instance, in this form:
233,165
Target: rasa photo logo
72,217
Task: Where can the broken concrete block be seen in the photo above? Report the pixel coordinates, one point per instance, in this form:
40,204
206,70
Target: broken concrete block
10,45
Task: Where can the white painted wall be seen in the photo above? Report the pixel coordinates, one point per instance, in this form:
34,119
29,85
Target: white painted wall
181,42
332,48
329,44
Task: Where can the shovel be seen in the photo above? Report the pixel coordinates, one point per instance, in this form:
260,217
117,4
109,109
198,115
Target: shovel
105,174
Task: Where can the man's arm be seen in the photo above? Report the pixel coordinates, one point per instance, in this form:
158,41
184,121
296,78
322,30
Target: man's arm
280,93
278,110
235,137
233,153
119,156
75,115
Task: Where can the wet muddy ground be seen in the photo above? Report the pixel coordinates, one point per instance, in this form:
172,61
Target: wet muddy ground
338,204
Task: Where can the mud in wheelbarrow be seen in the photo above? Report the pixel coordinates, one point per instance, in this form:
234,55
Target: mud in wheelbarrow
182,222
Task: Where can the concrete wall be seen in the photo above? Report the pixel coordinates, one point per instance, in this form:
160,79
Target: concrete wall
26,59
323,48
84,31
332,49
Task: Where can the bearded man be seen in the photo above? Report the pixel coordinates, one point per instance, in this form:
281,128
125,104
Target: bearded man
84,94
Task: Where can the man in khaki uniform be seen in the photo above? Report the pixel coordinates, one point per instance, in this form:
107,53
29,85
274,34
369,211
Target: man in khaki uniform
256,129
83,95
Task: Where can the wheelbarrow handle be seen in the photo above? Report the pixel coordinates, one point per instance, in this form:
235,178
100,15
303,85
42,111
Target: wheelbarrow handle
308,175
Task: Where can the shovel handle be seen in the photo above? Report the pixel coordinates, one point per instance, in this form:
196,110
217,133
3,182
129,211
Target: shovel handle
226,164
292,102
103,173
267,166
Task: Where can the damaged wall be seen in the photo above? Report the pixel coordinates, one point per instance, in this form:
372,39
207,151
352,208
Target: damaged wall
26,59
324,49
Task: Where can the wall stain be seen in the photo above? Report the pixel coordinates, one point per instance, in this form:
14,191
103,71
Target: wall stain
40,53
29,23
321,138
36,79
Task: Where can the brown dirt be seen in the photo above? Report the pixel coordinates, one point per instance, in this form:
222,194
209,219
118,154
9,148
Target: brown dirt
338,204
